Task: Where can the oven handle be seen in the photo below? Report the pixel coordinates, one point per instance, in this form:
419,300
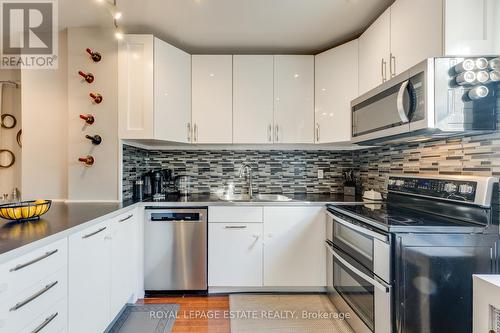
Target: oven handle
359,229
378,284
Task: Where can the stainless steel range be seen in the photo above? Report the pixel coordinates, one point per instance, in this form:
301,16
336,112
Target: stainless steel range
405,265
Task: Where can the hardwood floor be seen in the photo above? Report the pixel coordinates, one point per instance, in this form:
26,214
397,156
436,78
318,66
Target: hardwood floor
198,314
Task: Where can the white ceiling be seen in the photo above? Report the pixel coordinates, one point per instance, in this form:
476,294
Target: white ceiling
235,26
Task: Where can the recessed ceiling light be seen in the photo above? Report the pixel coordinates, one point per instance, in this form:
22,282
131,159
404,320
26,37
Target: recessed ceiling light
296,75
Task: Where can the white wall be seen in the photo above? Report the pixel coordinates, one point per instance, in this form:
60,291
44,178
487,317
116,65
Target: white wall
99,182
44,110
11,104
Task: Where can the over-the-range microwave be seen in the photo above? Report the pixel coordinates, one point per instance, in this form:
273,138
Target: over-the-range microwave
440,97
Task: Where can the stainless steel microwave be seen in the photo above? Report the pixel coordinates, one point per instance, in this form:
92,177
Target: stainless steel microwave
439,97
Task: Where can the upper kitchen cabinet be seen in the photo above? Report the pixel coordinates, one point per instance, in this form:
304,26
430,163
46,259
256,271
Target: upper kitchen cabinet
416,33
374,53
294,99
212,98
154,90
253,99
472,27
336,84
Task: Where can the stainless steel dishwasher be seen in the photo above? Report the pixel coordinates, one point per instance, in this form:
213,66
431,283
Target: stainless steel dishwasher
175,249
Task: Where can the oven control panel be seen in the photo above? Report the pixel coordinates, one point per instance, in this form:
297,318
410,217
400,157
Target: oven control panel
457,190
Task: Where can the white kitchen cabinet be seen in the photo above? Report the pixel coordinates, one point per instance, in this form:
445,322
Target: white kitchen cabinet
294,251
212,98
89,279
293,99
172,93
416,33
374,53
253,98
154,90
235,254
124,249
336,85
135,87
472,27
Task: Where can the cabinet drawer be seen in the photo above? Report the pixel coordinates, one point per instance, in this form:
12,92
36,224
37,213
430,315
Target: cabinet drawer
30,268
235,214
21,309
53,320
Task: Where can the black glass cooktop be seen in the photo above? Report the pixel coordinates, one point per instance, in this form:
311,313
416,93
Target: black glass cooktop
396,217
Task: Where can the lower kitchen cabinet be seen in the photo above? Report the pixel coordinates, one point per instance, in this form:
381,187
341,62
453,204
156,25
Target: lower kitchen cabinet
235,254
102,272
124,261
294,251
89,279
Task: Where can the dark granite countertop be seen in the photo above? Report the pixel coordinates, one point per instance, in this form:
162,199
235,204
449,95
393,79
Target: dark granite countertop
64,218
59,218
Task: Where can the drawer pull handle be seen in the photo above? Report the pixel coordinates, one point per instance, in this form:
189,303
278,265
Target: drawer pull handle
235,227
125,218
94,233
20,266
45,323
33,297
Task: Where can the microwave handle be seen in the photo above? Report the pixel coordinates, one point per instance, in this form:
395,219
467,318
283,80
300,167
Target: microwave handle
399,102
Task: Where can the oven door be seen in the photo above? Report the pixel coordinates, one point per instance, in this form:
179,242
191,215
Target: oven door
361,294
368,246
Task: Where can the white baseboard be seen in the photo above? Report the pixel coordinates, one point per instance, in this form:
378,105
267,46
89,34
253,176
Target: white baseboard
228,290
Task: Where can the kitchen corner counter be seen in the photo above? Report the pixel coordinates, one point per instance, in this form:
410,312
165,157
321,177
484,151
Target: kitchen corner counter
17,238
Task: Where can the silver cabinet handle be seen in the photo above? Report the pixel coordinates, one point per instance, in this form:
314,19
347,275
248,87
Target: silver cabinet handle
45,323
235,227
189,132
126,218
269,133
277,132
392,60
94,233
384,70
33,297
31,262
195,132
317,132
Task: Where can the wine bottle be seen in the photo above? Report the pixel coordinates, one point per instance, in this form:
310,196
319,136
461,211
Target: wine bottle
495,76
464,66
481,63
95,139
494,64
467,77
482,76
96,97
89,77
89,119
478,92
96,56
87,160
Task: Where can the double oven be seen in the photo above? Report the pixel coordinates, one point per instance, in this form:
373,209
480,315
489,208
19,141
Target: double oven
359,273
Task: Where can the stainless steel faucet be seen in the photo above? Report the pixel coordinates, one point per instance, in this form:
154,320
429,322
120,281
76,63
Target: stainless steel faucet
246,167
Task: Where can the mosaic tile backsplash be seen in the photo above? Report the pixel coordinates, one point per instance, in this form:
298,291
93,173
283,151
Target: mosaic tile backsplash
274,171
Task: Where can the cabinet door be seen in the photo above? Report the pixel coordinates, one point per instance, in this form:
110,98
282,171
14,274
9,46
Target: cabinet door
212,98
252,98
472,27
89,279
172,97
336,86
235,254
135,87
293,99
374,51
416,32
294,251
124,267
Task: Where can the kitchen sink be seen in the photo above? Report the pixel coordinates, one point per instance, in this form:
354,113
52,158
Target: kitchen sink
257,197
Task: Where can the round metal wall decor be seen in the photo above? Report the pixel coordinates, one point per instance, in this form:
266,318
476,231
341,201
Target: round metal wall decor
5,118
12,158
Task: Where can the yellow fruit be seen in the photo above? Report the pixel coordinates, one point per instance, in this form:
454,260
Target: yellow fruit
25,211
40,201
17,213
